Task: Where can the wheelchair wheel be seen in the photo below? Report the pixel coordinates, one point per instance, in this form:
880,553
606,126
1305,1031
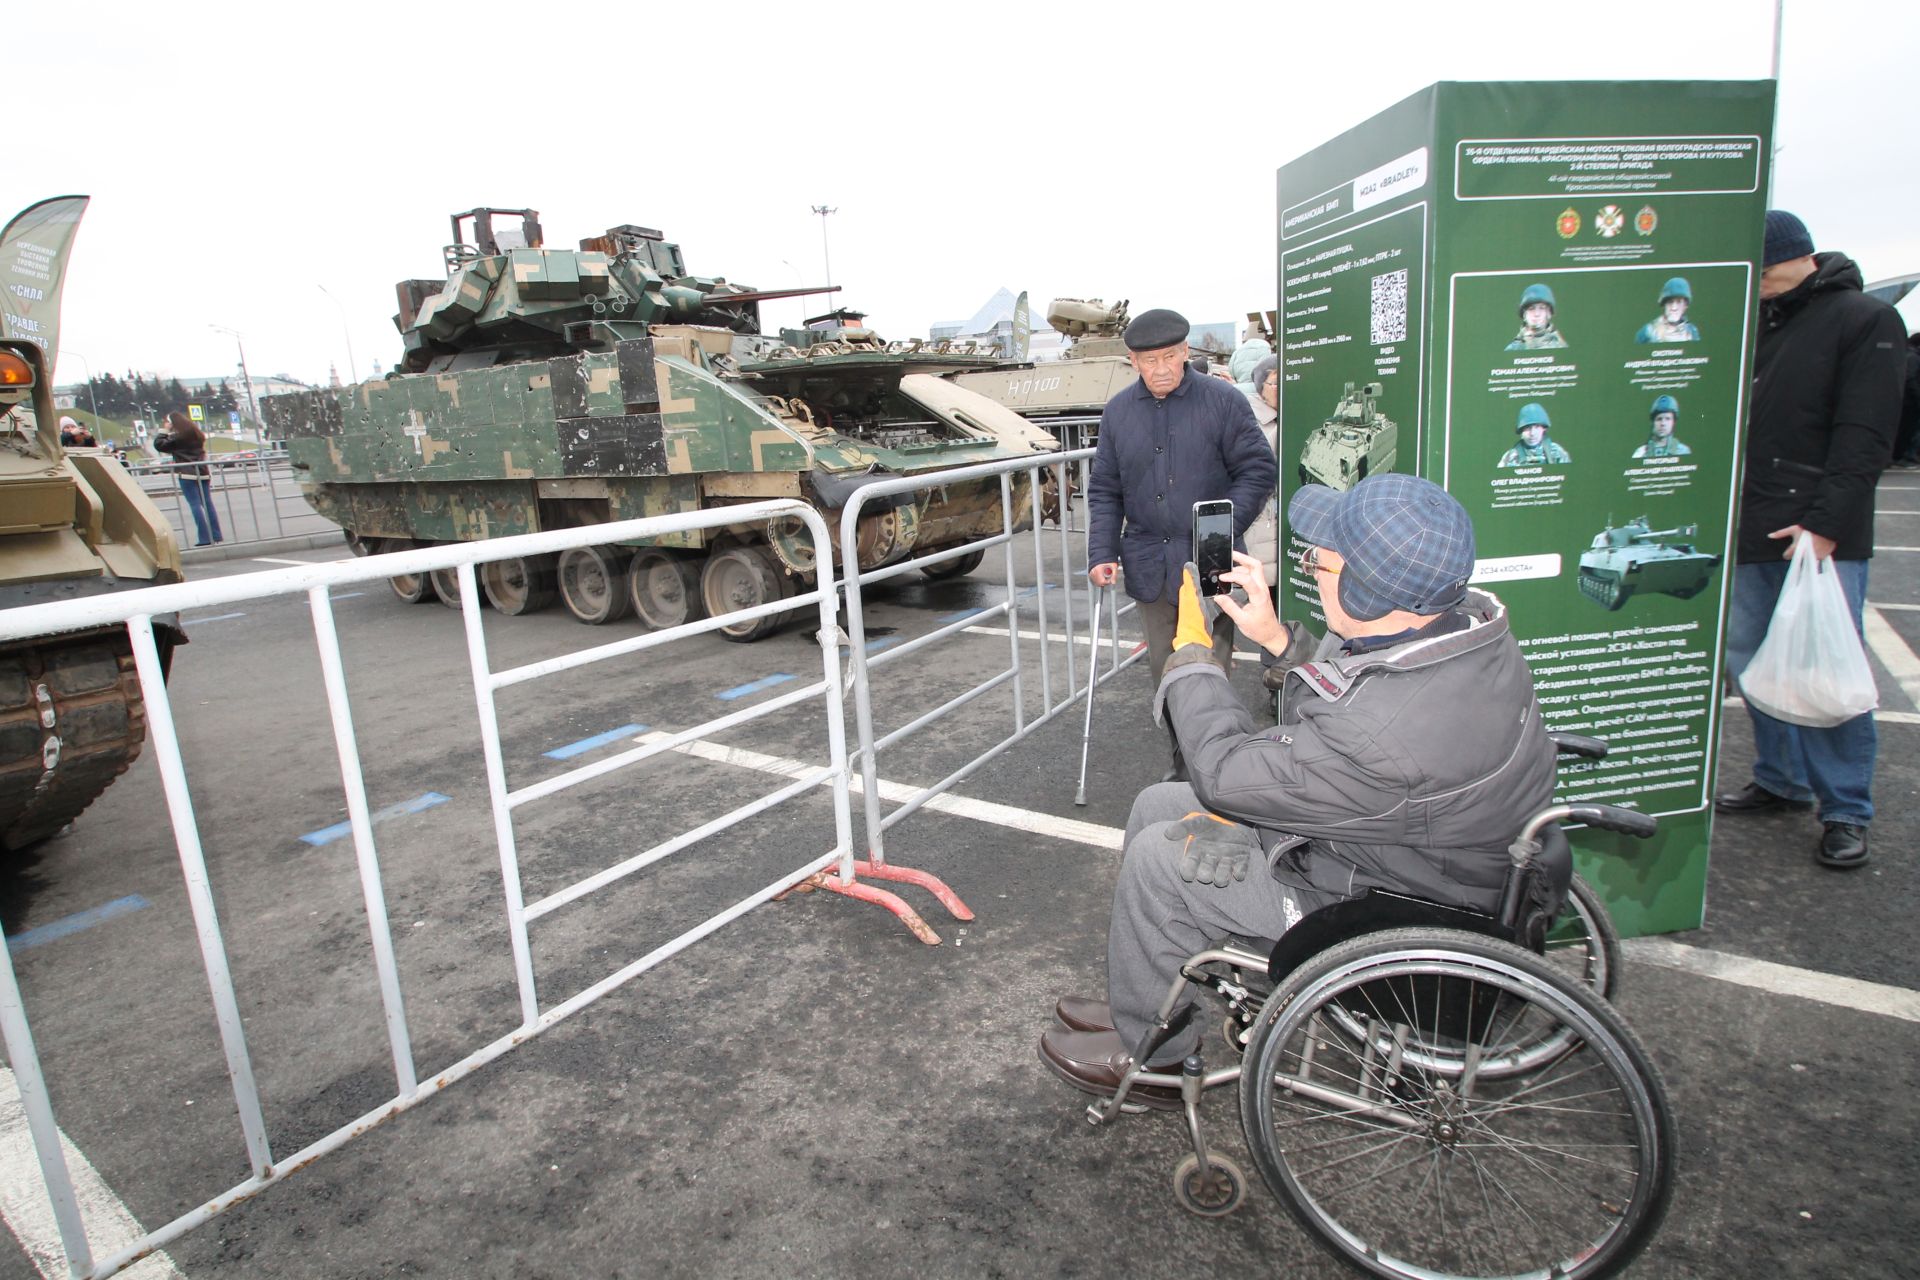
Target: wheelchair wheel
1436,1168
1583,944
1212,1193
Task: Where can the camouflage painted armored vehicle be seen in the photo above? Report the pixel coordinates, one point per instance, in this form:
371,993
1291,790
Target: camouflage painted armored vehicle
71,525
549,388
1355,442
1634,558
1092,371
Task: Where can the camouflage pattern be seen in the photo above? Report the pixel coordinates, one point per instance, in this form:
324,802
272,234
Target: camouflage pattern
1659,329
1532,339
1659,446
549,389
1634,557
72,717
1093,370
1534,455
1356,441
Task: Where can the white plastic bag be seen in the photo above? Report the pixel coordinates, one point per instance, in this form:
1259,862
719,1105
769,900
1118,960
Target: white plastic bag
1811,669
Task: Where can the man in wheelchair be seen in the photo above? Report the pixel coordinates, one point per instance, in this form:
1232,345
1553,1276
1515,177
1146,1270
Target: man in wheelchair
1409,750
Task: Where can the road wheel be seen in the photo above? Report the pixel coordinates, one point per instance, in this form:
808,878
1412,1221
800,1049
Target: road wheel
414,588
523,584
959,568
446,585
740,577
665,588
593,584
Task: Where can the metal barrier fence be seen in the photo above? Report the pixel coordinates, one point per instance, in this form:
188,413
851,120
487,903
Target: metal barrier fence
836,869
1064,467
254,499
136,610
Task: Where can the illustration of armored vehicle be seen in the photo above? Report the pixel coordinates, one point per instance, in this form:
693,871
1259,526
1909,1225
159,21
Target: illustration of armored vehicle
1093,369
1634,557
71,525
551,388
1354,443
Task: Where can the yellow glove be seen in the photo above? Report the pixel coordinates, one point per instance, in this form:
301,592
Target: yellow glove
1197,612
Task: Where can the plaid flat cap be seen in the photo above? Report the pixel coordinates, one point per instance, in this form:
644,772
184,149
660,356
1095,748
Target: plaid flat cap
1406,542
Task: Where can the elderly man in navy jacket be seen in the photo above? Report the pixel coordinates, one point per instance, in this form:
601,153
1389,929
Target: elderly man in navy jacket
1168,441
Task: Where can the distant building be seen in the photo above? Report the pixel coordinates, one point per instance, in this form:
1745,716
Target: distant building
75,394
993,322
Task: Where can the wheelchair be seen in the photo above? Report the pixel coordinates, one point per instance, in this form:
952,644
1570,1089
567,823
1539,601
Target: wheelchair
1435,1092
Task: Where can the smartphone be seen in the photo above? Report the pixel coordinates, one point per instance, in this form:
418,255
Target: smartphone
1213,545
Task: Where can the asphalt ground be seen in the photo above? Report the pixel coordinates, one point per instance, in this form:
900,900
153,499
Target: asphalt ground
811,1091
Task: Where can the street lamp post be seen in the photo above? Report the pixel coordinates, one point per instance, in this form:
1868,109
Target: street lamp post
346,333
823,211
93,401
253,410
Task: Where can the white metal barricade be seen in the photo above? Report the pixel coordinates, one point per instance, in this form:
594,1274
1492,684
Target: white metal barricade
136,610
1073,580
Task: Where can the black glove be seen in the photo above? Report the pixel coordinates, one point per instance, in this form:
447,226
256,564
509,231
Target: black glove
1214,851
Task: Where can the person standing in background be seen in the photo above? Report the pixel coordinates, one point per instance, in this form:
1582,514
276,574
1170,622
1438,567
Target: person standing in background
1827,377
1171,439
186,443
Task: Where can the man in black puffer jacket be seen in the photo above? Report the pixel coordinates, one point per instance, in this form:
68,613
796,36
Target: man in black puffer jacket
1826,402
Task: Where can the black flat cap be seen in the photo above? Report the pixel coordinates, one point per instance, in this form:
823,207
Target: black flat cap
1152,330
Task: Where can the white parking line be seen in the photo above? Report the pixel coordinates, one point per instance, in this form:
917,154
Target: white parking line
23,1201
1779,979
277,560
1893,652
1128,645
1044,824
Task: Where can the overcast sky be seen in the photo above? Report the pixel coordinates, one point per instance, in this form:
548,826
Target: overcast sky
242,158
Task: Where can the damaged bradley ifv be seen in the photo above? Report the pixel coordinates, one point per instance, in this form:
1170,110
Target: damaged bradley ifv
551,388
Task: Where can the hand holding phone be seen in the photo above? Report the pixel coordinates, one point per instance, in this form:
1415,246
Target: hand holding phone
1213,545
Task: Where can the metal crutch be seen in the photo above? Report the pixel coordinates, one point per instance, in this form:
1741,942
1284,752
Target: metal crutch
1093,682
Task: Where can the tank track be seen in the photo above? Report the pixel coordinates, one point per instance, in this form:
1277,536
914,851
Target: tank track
72,719
1604,592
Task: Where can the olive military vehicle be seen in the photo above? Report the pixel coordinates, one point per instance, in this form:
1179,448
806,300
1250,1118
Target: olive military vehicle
549,388
1355,442
72,524
1091,372
1634,557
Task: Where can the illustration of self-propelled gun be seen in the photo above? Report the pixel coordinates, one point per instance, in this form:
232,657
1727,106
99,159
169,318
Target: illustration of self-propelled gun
552,388
1634,558
1356,441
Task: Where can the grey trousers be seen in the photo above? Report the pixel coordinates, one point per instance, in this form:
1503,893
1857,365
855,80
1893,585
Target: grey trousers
1159,919
1161,618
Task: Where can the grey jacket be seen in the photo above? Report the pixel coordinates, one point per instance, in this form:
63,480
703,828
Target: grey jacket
1408,768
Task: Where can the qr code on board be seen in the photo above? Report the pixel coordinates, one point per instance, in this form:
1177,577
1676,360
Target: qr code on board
1389,308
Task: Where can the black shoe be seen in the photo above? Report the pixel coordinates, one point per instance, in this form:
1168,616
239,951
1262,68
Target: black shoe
1842,845
1754,798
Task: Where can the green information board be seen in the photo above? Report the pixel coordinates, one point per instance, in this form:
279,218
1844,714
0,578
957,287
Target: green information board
1542,296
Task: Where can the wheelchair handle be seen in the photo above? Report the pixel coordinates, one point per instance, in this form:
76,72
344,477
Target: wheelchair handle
1608,817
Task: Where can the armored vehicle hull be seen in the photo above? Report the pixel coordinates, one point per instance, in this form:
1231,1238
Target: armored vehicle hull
71,524
1355,442
1093,370
531,409
1633,559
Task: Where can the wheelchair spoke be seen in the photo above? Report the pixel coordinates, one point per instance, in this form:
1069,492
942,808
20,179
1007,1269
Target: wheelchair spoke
1461,1111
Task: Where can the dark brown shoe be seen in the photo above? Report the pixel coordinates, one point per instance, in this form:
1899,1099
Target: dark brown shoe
1754,798
1094,1061
1084,1013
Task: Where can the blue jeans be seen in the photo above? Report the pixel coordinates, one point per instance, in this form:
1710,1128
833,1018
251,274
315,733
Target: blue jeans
1831,766
197,490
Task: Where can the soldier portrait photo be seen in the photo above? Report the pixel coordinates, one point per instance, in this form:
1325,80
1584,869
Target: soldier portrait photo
1534,448
1537,331
1671,325
1663,418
